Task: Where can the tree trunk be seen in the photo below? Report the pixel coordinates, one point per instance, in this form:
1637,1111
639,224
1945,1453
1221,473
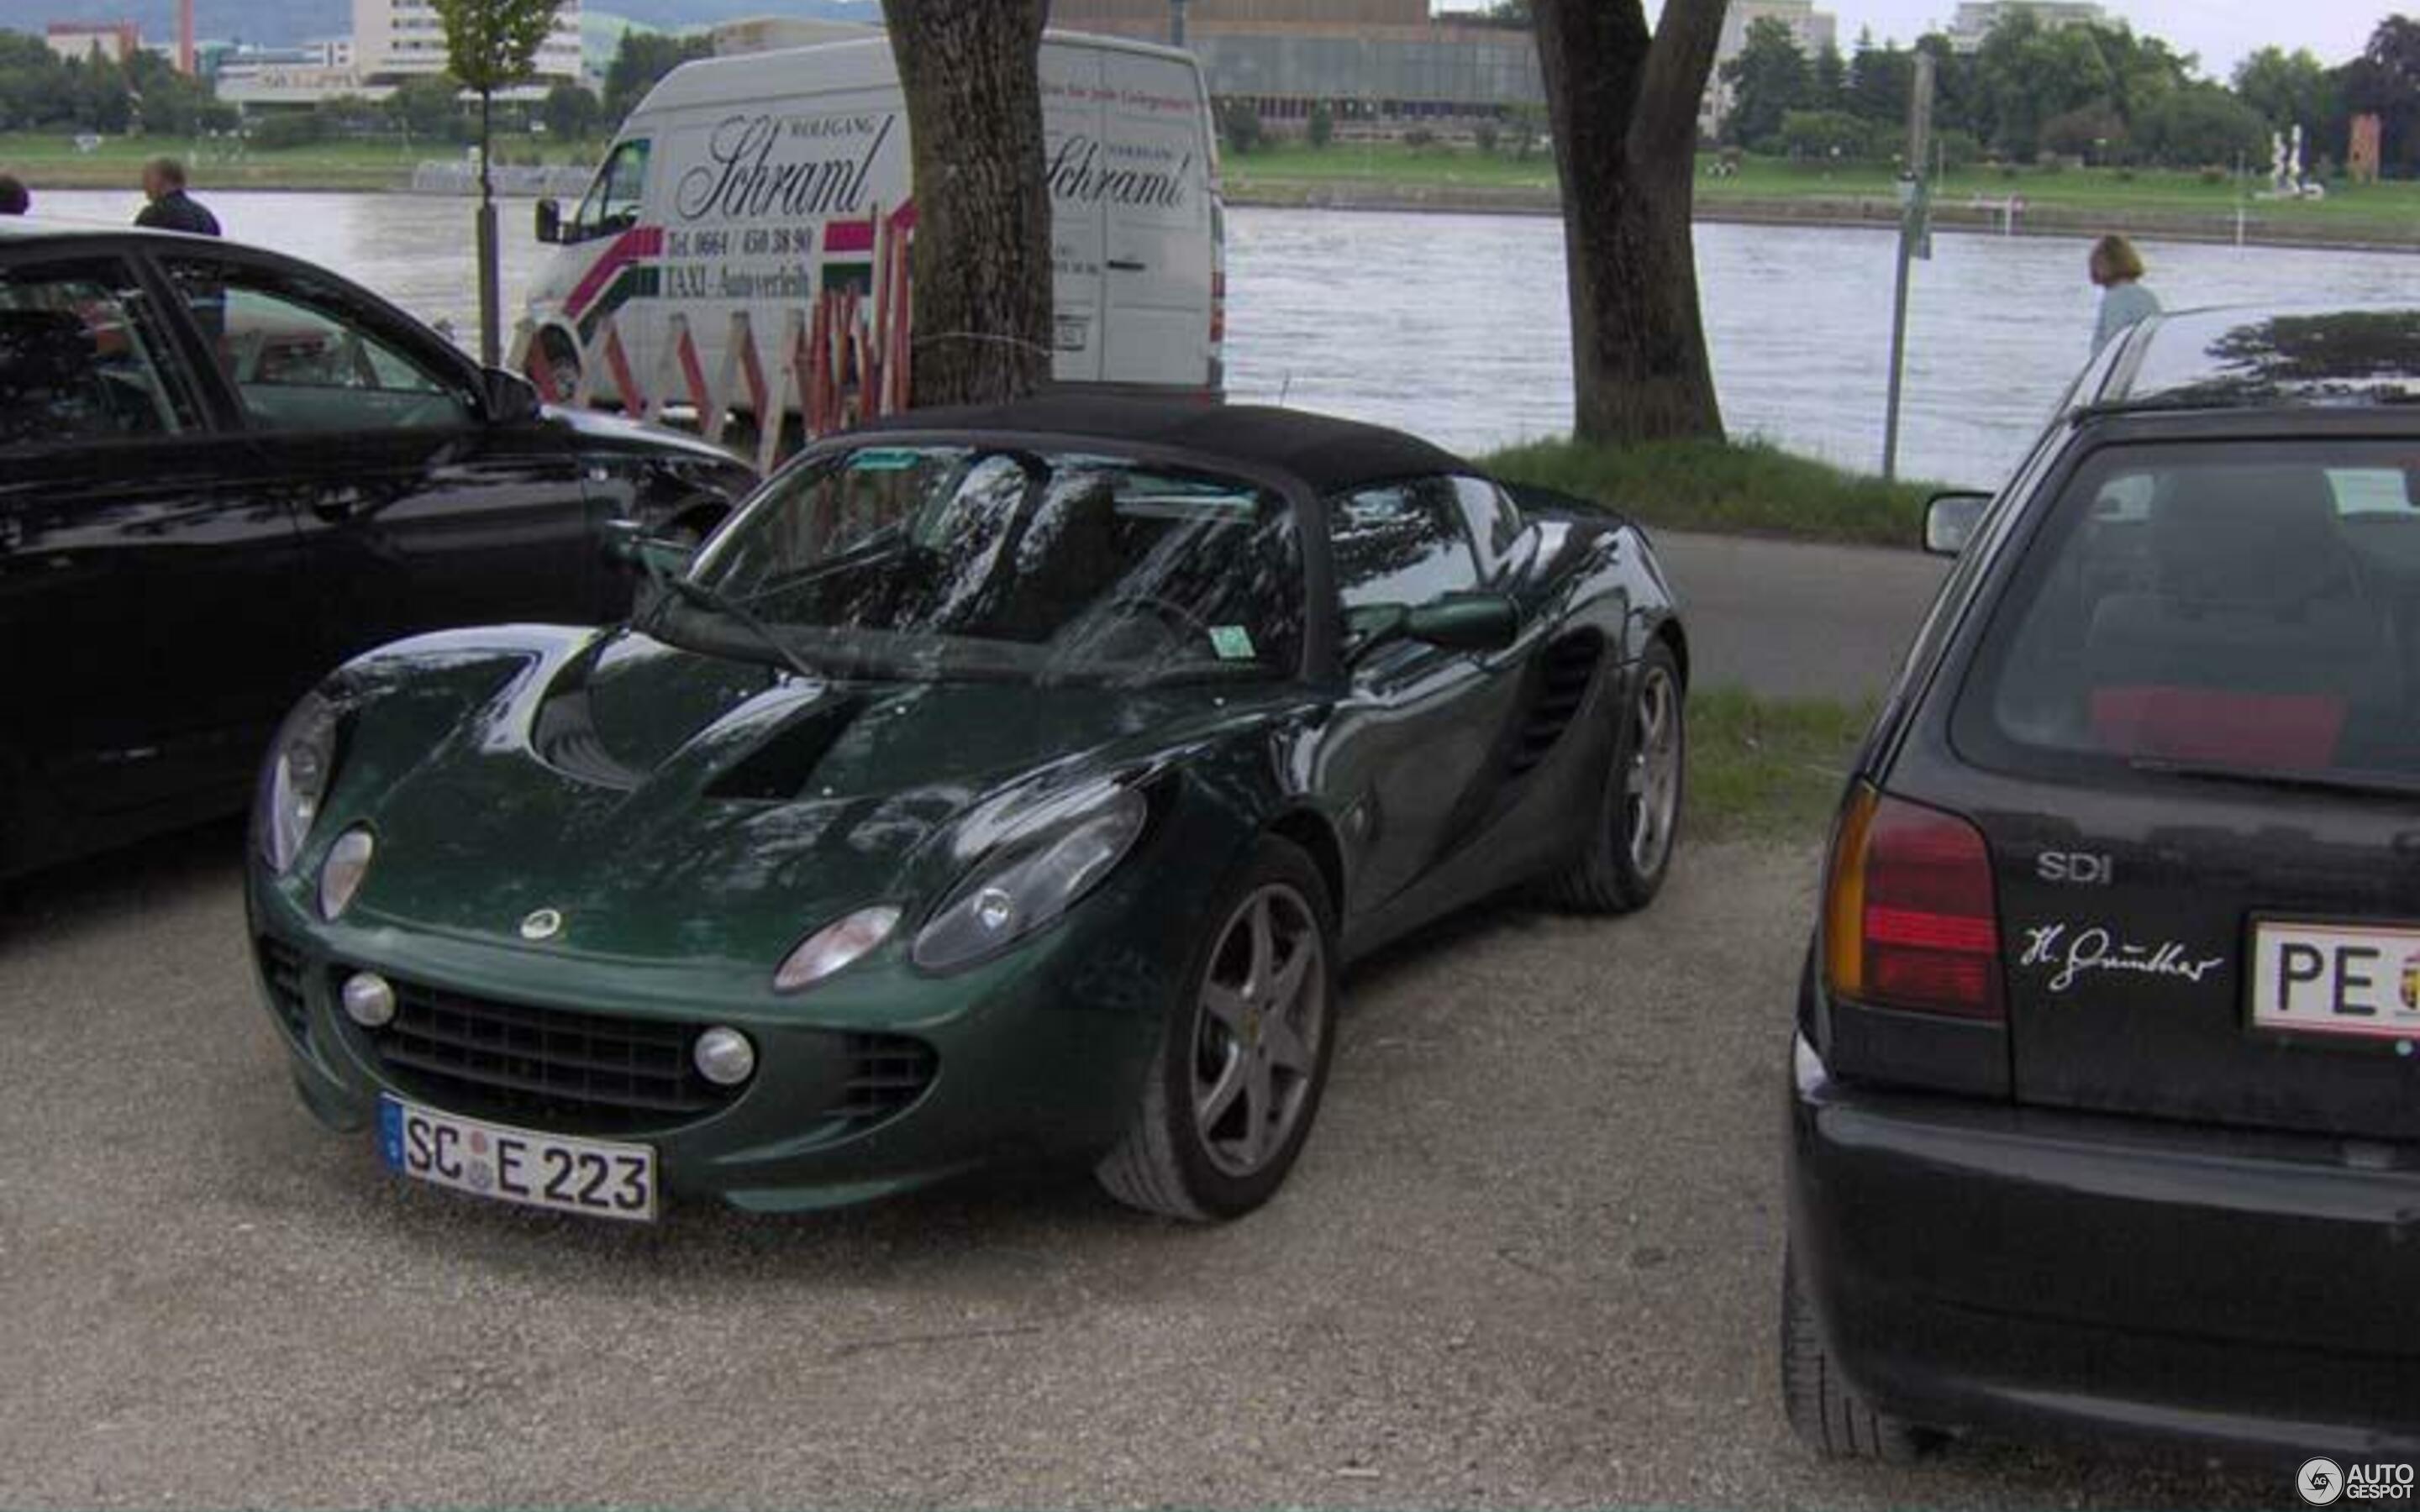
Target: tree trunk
1624,102
972,77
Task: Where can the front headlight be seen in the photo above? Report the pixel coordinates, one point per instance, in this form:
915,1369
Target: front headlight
301,763
1042,880
834,946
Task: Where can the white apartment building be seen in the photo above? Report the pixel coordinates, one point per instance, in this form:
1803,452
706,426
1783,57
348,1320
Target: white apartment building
395,40
1813,30
1975,18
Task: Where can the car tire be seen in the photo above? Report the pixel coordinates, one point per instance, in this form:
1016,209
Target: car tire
1621,868
1824,1411
1235,1087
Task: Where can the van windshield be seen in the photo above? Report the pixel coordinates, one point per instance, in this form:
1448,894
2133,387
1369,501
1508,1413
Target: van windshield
612,203
965,562
2236,608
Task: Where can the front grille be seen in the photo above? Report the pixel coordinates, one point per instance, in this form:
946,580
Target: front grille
887,1072
547,1066
280,971
598,1073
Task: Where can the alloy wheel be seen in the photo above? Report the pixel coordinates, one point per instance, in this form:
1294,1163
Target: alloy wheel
1652,785
1258,1029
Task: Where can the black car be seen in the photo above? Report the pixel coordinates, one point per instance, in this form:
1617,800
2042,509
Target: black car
223,471
2105,1116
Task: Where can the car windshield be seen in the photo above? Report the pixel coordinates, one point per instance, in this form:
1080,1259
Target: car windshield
943,563
2238,610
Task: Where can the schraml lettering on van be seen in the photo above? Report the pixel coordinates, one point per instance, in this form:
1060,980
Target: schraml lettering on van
741,180
1075,174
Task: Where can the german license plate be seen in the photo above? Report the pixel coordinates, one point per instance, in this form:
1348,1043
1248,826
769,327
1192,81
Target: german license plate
2360,980
595,1177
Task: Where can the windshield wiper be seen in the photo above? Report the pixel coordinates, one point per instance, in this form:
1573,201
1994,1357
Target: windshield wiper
699,596
2371,783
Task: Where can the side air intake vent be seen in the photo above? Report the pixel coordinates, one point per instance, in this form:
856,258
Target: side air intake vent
1558,690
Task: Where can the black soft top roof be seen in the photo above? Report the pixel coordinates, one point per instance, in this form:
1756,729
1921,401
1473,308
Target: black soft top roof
1324,451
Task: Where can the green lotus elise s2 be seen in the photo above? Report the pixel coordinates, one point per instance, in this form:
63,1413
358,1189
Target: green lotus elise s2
993,785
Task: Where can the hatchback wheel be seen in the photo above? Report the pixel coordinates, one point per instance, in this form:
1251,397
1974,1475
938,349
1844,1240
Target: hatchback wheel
1830,1417
1245,1053
1631,837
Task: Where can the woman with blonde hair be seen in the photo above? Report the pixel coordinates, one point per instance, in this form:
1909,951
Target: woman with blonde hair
2117,267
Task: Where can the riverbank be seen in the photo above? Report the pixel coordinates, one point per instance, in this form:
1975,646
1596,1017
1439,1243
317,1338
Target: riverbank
1727,488
2159,205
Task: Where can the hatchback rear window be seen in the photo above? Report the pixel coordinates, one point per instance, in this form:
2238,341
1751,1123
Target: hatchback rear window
2237,606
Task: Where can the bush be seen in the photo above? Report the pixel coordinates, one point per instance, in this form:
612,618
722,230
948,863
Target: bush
1242,127
1485,136
1419,139
276,133
1826,135
2212,173
1322,124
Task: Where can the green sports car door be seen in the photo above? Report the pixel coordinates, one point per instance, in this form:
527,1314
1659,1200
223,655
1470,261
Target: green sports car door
1420,723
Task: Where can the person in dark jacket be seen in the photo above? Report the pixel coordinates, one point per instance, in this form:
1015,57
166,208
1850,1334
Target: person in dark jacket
171,208
14,200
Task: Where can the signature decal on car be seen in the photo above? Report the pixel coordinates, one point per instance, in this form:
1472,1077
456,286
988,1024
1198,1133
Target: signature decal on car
543,924
2075,953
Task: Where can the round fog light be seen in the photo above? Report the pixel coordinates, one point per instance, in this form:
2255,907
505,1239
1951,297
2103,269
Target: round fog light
724,1057
370,1000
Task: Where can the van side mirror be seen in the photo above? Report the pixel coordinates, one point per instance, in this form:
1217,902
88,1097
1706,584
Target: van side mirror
1951,520
510,397
550,221
628,543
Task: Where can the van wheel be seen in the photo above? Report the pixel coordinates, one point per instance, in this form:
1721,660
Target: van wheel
562,364
1831,1418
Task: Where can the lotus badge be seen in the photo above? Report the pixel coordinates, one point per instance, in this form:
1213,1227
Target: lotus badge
545,924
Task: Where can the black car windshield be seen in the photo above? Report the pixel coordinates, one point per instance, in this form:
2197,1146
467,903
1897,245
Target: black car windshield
2197,610
942,562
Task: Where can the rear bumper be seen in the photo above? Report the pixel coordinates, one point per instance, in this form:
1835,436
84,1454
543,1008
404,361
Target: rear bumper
1976,1265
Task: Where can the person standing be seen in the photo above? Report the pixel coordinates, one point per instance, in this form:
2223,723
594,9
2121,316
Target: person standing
171,209
2117,267
14,200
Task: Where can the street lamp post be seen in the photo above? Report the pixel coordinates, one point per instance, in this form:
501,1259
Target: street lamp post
1176,22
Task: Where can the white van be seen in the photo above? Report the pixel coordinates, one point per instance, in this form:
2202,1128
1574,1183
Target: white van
753,182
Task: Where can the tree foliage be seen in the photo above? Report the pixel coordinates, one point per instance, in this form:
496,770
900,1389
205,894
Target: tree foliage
492,45
2202,124
639,59
571,111
1769,79
2288,89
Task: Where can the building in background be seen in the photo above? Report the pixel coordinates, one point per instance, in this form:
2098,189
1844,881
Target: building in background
765,34
1813,30
397,40
76,40
1975,18
265,77
1377,64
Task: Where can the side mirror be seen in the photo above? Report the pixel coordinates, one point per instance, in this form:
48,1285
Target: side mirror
1466,622
628,543
510,397
1951,520
550,221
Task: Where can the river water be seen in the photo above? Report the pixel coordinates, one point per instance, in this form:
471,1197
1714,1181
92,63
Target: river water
1454,325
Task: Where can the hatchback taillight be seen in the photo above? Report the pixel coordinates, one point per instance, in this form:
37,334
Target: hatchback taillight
1909,921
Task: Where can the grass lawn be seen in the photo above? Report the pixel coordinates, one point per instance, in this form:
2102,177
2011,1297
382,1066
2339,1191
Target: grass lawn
51,158
1293,167
1748,488
1766,769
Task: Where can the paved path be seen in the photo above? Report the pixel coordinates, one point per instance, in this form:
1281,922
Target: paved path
1790,620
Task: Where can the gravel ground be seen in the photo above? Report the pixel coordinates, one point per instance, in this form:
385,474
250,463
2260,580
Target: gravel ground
1529,1260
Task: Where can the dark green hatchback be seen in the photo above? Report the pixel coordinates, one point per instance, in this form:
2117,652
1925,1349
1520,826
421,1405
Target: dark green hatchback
995,786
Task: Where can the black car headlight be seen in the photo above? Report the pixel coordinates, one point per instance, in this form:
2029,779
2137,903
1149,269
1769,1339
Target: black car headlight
301,761
1042,876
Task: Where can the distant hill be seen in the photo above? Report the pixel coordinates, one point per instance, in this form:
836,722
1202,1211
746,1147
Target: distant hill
286,22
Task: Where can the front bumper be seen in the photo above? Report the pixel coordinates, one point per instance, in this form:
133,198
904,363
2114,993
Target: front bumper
1974,1264
1037,1057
